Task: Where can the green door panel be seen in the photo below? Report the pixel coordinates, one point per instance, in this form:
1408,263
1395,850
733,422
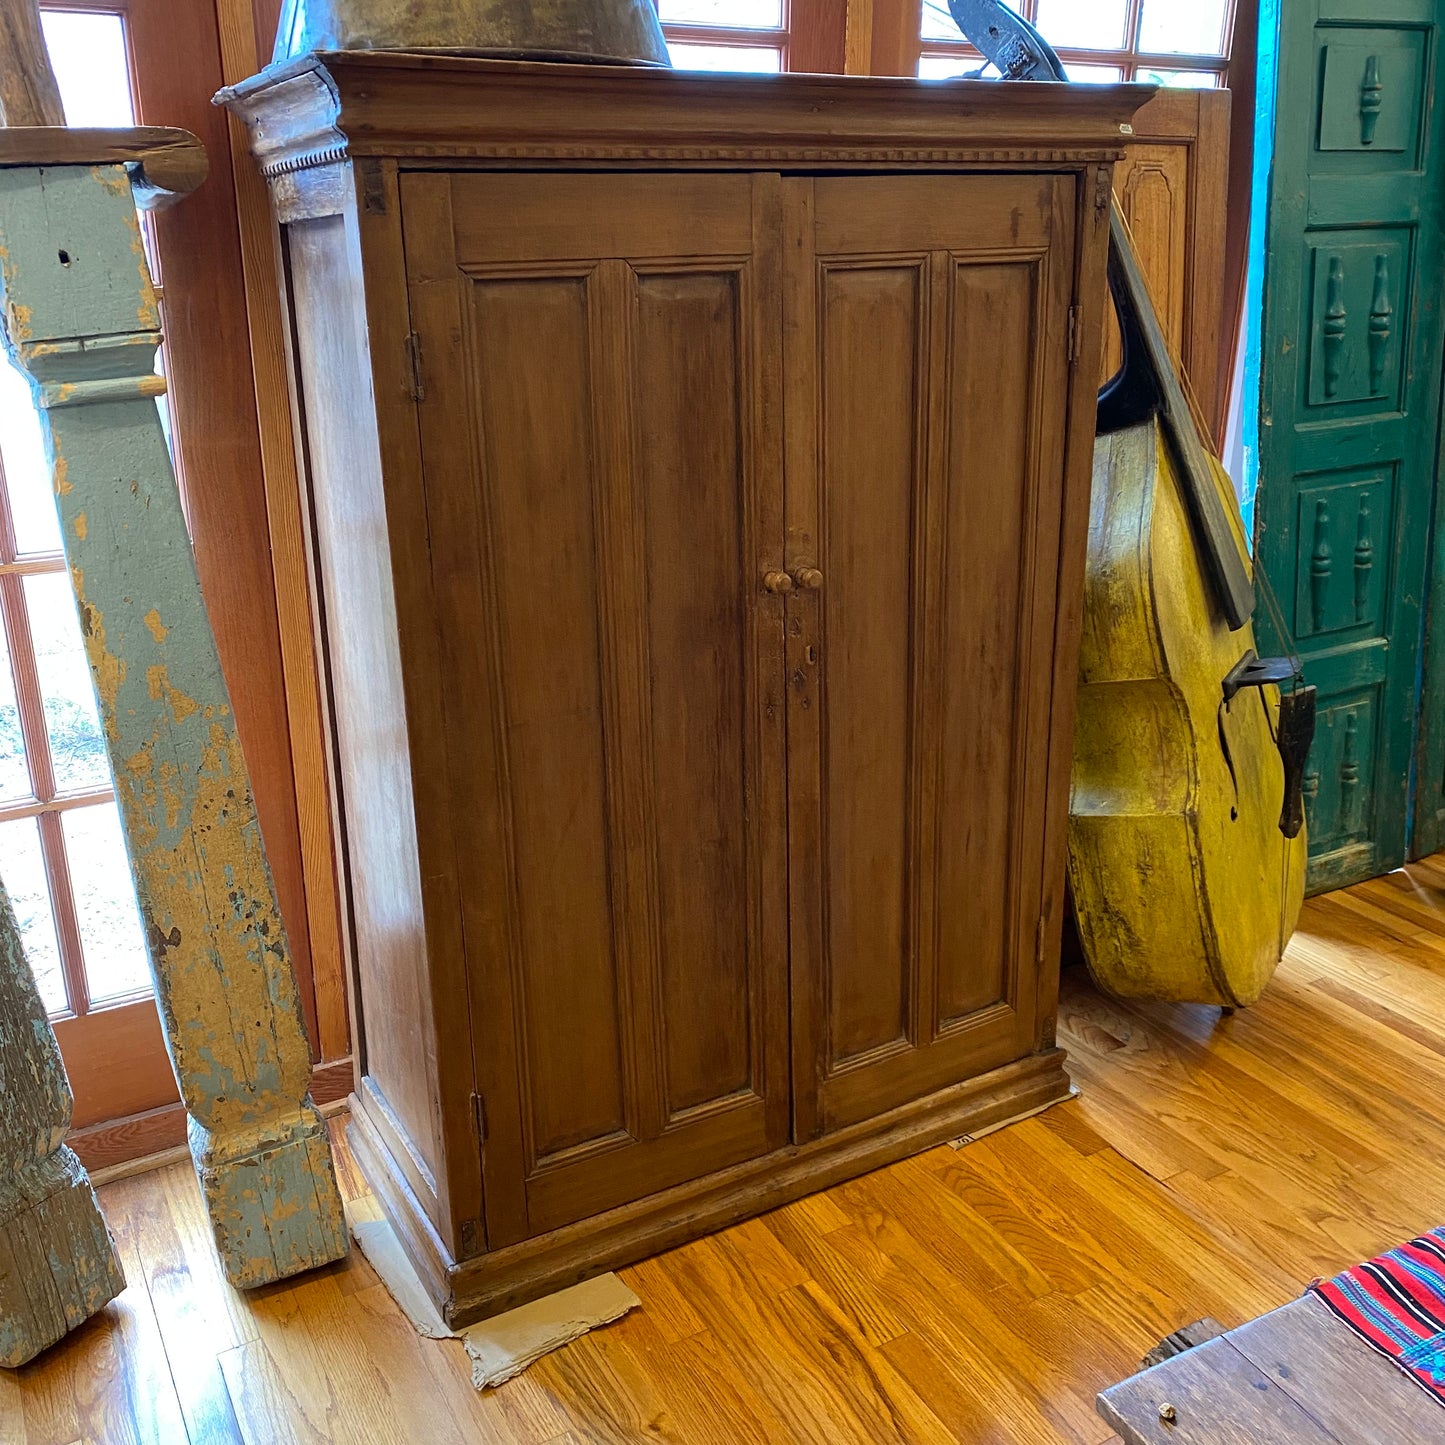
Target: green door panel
1349,374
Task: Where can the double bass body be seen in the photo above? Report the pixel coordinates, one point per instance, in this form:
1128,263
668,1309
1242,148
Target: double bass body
1184,885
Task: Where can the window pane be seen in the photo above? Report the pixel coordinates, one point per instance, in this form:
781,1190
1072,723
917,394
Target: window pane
1185,79
1083,24
1170,28
14,776
87,54
955,67
753,58
22,866
1092,74
105,907
27,472
946,67
77,750
938,22
760,13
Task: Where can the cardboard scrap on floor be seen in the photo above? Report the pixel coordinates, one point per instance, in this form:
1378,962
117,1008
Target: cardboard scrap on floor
988,1129
504,1345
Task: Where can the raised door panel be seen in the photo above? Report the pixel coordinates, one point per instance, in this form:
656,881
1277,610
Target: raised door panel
1152,183
602,481
1172,185
927,363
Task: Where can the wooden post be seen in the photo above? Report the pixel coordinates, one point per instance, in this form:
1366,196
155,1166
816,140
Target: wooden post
82,322
28,92
57,1261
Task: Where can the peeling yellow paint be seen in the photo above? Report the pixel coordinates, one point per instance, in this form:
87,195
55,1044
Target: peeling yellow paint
115,179
152,620
82,527
159,683
108,671
63,484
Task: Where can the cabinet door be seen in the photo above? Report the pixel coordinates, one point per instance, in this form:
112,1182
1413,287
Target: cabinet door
927,379
600,378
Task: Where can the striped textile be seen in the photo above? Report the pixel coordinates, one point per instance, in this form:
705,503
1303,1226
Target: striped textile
1396,1304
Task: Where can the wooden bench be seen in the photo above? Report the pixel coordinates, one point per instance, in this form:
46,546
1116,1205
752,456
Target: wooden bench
1296,1376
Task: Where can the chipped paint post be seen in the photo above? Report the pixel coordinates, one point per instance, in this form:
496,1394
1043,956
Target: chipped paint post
82,322
57,1261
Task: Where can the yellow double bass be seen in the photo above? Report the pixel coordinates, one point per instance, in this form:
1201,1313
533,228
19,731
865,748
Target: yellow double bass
1186,827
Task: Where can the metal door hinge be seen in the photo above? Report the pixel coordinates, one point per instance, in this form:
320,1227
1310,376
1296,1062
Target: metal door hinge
1074,327
479,1118
469,1239
413,353
373,187
1104,182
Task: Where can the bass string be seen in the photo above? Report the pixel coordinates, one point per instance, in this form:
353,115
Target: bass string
1282,630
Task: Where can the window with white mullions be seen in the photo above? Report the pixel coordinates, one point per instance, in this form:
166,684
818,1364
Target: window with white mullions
62,855
1160,41
737,35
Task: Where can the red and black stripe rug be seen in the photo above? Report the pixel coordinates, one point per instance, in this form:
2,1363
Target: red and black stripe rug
1396,1304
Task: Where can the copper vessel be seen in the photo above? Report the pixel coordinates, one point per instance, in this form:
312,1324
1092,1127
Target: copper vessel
618,31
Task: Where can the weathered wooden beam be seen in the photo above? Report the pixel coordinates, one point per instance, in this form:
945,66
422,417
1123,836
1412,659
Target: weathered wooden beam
28,92
82,322
57,1262
165,164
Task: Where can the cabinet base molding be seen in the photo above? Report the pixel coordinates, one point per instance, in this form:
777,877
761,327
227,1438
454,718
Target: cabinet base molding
470,1290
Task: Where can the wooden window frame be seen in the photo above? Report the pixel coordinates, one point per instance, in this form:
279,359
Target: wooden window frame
46,802
811,38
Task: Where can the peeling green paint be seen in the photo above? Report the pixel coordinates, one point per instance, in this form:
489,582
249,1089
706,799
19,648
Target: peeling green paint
224,980
58,1264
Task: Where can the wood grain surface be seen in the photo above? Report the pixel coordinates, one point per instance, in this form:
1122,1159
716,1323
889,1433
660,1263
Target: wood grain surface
1296,1373
1212,1166
28,92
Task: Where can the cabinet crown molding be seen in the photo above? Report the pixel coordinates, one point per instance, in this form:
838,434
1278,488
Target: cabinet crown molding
444,109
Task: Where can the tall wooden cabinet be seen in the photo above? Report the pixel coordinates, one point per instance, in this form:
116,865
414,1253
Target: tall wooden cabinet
699,468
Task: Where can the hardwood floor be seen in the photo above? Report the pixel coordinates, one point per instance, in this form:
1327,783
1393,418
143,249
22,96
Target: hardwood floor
1212,1166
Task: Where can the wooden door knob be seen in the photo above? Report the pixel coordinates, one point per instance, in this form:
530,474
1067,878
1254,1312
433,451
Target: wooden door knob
808,578
777,582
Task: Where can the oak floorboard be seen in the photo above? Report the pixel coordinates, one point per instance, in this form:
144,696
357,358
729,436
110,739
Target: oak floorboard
1213,1165
197,1314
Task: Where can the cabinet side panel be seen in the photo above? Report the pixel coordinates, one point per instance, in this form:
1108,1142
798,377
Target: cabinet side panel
689,406
870,337
343,459
540,474
988,487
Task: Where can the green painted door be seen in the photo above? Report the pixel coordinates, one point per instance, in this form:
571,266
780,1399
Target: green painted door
1350,366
